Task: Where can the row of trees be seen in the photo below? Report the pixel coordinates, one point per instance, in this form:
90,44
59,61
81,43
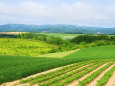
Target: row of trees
92,38
62,44
81,41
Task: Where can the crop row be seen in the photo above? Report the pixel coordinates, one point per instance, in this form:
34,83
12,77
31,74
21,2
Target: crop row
62,73
57,72
55,80
106,77
93,75
77,76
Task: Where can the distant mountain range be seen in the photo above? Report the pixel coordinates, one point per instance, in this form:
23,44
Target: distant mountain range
59,28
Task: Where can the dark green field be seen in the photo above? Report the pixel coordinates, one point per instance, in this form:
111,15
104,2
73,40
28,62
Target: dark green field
17,67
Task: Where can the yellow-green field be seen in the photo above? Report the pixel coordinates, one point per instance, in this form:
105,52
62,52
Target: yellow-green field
23,47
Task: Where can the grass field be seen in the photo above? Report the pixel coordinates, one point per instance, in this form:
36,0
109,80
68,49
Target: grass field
94,52
23,47
20,66
62,35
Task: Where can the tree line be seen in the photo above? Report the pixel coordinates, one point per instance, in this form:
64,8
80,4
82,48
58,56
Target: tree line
62,44
92,38
81,41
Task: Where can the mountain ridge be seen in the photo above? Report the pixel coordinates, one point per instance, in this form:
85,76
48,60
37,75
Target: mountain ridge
59,28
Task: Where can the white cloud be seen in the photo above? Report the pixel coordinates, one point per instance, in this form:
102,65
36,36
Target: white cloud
34,9
110,11
78,11
64,13
25,9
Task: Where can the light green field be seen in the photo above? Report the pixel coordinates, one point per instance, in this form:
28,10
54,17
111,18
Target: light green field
59,54
23,47
62,35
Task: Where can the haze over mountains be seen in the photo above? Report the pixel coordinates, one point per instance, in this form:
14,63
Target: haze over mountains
60,28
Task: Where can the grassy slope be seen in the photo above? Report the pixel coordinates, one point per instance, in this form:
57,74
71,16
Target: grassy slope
19,66
94,52
23,47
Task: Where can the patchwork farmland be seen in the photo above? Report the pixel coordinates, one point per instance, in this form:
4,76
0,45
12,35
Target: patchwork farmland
41,60
57,43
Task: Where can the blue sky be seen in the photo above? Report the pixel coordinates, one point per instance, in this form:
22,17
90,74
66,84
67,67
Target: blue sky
97,13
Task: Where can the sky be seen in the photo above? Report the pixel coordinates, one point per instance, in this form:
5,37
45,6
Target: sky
94,13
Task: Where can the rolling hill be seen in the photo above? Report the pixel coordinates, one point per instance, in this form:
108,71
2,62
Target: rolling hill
23,66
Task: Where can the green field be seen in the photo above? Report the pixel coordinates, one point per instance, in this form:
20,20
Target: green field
62,35
59,54
20,66
23,47
95,52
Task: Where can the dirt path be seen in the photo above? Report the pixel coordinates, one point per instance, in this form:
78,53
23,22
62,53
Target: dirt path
111,81
94,82
74,83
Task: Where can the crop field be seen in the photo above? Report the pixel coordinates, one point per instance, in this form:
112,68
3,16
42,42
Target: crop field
62,35
23,66
13,33
96,72
23,47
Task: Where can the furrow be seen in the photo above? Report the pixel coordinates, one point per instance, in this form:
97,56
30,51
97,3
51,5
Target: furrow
74,83
64,77
90,80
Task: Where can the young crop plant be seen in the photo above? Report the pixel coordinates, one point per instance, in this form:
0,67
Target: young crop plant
62,70
93,75
76,74
56,73
106,77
